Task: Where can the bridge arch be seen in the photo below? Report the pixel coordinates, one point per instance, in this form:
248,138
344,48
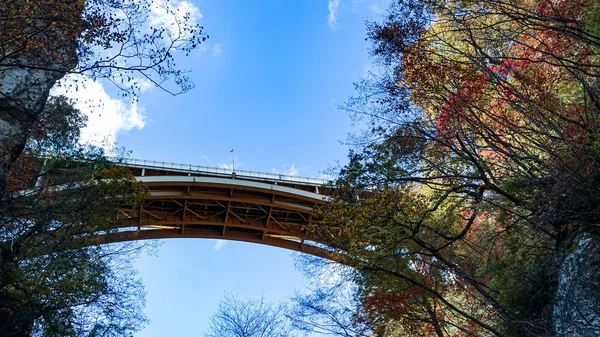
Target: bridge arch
187,201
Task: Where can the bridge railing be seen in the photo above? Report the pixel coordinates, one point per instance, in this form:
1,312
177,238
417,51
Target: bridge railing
142,163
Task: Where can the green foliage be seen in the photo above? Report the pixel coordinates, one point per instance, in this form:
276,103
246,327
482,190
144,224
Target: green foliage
52,281
56,195
84,292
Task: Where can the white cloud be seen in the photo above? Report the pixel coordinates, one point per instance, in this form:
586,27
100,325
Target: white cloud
217,49
332,104
376,9
287,170
229,165
171,14
333,7
144,84
219,244
290,170
107,117
326,176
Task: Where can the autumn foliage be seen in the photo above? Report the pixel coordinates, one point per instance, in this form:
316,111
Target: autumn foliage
480,164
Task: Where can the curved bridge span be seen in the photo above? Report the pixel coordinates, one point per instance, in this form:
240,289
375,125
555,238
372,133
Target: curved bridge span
188,201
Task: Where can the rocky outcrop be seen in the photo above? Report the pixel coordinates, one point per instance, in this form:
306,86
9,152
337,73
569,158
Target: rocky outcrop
34,55
577,302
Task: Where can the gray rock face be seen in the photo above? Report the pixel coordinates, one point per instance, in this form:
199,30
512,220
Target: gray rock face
23,94
25,88
577,302
29,68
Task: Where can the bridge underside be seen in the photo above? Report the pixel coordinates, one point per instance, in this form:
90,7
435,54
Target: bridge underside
150,234
273,213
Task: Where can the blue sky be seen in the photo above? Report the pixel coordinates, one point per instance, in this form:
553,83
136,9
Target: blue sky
268,83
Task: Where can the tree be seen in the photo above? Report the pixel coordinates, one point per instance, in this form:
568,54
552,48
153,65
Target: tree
331,310
248,318
61,195
92,292
42,41
56,195
478,172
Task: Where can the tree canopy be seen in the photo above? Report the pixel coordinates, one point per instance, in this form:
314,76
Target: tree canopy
56,194
477,170
60,194
238,317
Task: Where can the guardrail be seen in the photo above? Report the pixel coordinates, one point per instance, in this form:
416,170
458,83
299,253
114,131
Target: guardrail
217,170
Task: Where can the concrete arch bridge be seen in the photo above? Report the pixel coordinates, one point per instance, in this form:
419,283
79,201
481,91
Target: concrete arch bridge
189,201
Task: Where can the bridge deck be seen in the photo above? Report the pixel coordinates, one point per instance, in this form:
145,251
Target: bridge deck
158,167
202,202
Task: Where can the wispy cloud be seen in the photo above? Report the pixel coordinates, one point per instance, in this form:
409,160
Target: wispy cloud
333,7
172,15
332,104
229,165
107,116
326,176
219,244
376,9
217,49
288,170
